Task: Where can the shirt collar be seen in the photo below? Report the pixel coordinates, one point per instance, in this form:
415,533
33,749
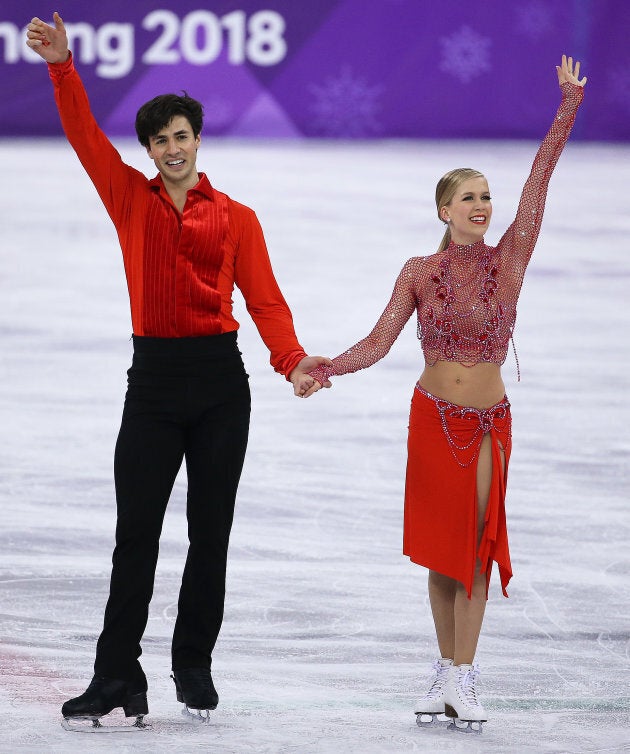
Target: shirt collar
203,186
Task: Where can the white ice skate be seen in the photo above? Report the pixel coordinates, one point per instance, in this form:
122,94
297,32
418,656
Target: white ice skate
461,701
432,703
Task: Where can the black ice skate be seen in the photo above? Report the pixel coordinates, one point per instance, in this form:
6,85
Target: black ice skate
101,697
195,689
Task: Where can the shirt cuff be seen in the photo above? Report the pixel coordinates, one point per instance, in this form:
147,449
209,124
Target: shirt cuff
57,71
289,364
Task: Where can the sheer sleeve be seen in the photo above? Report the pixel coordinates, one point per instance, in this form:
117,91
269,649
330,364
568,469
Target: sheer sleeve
520,238
377,344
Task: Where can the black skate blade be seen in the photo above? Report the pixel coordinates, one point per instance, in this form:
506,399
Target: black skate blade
466,726
431,719
92,724
199,716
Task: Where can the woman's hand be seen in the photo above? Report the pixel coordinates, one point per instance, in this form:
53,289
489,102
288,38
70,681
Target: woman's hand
303,384
51,43
567,72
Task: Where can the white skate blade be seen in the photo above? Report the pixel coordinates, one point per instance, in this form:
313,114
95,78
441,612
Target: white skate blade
431,719
466,726
94,725
197,715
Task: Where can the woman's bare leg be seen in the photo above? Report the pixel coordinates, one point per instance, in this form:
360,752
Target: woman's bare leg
469,612
457,619
442,592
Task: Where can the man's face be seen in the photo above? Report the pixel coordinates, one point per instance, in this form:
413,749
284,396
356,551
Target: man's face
174,152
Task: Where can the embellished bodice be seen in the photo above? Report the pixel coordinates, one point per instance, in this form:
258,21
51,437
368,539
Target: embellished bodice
465,296
466,305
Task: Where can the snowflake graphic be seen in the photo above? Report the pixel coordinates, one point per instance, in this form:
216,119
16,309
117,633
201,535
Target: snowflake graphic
346,106
465,54
534,19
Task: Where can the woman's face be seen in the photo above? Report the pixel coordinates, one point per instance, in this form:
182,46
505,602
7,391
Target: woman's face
469,211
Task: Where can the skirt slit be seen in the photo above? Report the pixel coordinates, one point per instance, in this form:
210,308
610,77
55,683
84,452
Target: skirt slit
440,520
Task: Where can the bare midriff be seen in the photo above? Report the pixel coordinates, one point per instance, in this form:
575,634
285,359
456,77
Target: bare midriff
478,386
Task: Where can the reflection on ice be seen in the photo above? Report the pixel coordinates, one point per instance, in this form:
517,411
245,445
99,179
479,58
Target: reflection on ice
327,632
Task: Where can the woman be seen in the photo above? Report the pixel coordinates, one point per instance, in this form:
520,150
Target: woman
459,442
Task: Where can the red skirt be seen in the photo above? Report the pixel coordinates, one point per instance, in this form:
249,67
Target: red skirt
440,529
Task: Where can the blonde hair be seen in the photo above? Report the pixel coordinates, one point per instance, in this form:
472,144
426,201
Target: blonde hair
445,191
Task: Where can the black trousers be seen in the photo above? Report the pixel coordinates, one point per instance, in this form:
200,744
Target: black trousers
187,398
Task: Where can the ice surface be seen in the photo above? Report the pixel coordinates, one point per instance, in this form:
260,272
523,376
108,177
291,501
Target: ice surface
328,635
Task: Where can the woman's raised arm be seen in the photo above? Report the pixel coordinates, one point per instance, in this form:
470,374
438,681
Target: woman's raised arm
520,238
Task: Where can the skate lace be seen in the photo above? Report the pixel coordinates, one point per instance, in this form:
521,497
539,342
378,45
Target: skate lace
441,673
467,684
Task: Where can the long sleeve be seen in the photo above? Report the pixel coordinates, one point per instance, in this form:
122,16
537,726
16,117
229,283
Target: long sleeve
265,303
113,179
376,345
517,243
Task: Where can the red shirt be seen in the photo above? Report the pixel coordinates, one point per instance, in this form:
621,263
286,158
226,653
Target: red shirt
181,268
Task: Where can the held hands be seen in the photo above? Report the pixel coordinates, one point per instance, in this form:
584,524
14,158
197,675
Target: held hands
566,72
50,43
303,384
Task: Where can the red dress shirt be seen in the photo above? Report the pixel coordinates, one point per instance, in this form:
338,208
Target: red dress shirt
181,268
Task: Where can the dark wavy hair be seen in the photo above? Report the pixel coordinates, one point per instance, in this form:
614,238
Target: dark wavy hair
156,114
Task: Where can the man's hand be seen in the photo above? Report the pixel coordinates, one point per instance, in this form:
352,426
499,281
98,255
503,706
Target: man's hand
50,43
303,384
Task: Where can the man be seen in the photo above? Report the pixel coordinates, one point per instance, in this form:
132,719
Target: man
185,245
